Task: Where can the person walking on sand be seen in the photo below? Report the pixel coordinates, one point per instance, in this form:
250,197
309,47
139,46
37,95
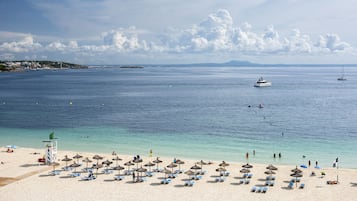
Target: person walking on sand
133,177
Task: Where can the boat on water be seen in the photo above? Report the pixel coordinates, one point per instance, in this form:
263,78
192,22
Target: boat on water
262,83
342,77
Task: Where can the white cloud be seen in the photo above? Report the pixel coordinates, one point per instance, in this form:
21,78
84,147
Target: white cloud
26,44
215,34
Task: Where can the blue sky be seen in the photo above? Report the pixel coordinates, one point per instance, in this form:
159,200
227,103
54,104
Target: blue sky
174,31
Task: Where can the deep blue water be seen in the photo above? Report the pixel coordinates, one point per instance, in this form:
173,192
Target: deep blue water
191,112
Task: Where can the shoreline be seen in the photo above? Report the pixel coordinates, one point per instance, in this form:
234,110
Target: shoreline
32,180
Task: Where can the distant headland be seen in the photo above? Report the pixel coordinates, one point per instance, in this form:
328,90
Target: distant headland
23,65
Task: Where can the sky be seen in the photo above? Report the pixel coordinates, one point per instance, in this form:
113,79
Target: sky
176,31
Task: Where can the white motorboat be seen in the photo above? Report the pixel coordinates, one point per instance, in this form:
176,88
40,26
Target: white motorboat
262,83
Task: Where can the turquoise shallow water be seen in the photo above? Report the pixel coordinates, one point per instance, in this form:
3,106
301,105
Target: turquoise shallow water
197,113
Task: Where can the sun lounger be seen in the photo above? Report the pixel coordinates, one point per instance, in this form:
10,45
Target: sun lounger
118,178
247,181
196,177
178,171
264,189
270,178
75,174
259,189
226,173
172,176
332,182
189,183
220,179
202,172
128,172
88,178
250,175
54,172
67,168
291,185
165,181
302,186
254,188
149,174
107,171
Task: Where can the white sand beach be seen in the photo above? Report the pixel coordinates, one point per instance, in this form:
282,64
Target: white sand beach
22,178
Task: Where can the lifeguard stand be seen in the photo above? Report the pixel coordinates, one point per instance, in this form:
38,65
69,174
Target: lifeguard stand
51,149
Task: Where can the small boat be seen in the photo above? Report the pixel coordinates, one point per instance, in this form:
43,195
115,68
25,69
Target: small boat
262,83
342,78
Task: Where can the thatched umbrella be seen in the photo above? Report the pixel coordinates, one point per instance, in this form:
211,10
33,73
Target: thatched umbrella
189,173
166,172
140,170
129,163
196,167
157,161
269,172
271,167
77,156
74,165
244,170
66,159
296,170
137,161
180,162
221,170
296,175
118,168
87,160
149,164
224,164
116,159
172,166
97,157
201,163
97,166
247,166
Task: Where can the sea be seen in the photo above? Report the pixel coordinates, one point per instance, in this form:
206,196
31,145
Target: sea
208,113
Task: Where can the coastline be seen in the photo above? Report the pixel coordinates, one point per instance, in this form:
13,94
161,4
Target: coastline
32,181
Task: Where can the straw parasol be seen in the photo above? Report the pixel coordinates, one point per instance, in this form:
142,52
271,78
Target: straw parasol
180,162
172,166
118,168
201,163
247,166
74,165
77,156
296,175
149,164
66,159
245,170
157,161
195,167
296,170
224,164
220,170
141,170
97,166
271,167
137,161
166,171
129,163
87,160
269,172
189,173
116,159
97,157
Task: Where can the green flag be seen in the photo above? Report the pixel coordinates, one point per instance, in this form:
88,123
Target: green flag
52,136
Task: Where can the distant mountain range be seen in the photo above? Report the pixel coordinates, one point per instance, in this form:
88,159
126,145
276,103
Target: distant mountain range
233,63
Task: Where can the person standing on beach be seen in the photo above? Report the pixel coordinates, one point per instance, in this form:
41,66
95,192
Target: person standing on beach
309,163
316,163
133,177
